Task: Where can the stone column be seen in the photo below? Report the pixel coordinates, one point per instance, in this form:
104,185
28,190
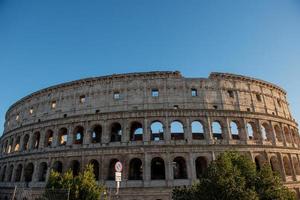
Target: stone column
86,135
187,131
55,138
147,169
227,130
274,139
209,134
125,132
147,131
192,168
243,132
42,138
282,168
292,167
70,135
105,133
167,133
283,134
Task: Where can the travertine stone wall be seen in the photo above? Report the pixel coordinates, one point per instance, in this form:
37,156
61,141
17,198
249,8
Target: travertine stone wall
265,130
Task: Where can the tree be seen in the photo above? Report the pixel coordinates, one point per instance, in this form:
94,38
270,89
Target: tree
83,186
234,177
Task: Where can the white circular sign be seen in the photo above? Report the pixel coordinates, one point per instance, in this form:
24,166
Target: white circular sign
118,166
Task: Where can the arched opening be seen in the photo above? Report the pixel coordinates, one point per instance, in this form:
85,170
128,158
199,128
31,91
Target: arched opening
296,165
75,167
42,172
136,131
17,144
179,168
18,173
49,138
157,131
10,144
295,136
96,168
177,131
36,140
287,166
2,177
26,142
111,169
28,172
287,135
57,166
157,169
234,129
96,134
252,131
135,169
266,132
201,165
197,130
278,133
259,162
116,132
10,172
217,130
62,136
5,147
78,135
275,165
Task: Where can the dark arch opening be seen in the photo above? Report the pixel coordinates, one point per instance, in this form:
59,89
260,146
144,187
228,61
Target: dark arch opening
136,131
75,167
95,165
78,134
49,138
25,142
201,166
111,169
97,134
28,172
10,172
42,171
18,173
116,132
179,168
157,169
57,166
62,136
36,140
135,169
2,178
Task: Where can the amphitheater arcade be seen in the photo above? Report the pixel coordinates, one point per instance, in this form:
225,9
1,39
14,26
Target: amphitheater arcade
163,127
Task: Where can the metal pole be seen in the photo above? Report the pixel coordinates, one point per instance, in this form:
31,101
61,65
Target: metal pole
14,194
68,193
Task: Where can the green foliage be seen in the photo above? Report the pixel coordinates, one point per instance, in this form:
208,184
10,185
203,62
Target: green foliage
234,177
83,186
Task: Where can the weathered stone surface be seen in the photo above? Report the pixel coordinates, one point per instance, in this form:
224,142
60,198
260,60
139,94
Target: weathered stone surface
116,106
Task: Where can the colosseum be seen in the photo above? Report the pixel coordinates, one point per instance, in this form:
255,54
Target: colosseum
164,128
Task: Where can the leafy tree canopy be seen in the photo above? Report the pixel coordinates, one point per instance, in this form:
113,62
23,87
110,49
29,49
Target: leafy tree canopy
234,177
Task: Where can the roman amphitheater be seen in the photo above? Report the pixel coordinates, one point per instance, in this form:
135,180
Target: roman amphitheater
163,127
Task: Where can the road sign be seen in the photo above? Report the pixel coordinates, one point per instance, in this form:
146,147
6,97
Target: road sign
118,166
118,176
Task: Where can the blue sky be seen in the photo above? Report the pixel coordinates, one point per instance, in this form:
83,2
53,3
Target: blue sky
52,41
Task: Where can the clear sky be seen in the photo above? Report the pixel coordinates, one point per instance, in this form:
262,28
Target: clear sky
46,42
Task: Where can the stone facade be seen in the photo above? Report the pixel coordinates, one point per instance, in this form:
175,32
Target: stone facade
163,127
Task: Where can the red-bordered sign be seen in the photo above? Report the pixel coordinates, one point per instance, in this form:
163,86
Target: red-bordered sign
118,166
